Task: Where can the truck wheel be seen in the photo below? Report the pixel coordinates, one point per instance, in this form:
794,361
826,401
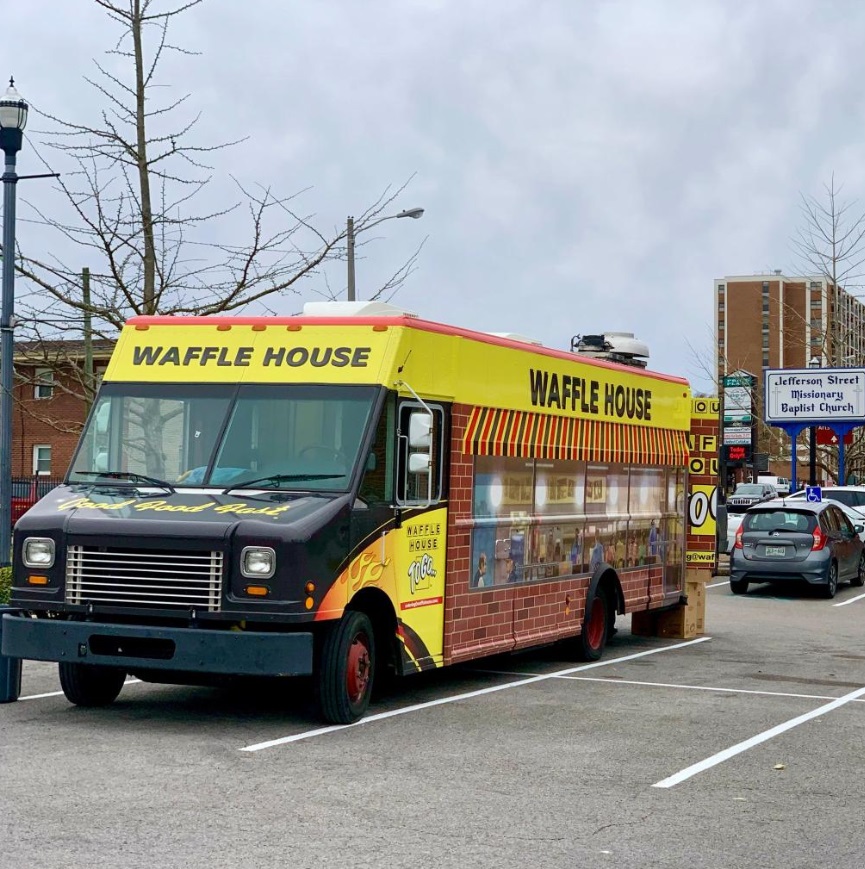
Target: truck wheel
346,669
593,639
739,586
89,684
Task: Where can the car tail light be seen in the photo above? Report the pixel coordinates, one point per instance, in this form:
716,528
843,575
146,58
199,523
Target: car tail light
819,539
738,543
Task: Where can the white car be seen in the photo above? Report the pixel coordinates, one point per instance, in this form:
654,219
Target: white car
734,520
850,496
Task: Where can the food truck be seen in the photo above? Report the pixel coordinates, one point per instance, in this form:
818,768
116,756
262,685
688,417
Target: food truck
351,494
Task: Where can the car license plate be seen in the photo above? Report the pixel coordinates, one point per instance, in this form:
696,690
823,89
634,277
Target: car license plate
776,550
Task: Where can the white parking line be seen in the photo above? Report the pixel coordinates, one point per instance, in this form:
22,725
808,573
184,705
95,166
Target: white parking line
718,584
851,600
381,716
703,688
765,736
129,681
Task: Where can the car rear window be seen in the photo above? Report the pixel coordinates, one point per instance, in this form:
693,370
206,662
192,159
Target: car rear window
749,489
779,520
850,499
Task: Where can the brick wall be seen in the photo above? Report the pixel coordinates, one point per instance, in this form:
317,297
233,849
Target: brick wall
54,422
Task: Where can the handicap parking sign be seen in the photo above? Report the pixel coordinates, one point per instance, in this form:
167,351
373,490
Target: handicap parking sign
814,494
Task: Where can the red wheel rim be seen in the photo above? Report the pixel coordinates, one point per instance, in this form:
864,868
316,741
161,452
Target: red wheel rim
358,673
595,625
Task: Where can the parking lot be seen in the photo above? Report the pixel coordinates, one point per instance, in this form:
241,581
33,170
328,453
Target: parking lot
739,748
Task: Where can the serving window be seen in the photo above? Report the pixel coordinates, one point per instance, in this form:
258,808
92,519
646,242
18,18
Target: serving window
536,519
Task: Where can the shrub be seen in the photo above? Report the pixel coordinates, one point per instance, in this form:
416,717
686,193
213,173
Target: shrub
5,583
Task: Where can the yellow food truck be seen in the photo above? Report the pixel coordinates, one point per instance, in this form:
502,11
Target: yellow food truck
352,494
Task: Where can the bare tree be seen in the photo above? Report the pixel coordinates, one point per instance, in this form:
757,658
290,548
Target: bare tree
131,180
830,244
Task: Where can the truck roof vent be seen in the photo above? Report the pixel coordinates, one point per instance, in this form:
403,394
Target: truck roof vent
514,336
354,309
621,347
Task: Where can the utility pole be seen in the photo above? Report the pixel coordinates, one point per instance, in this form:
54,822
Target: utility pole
88,339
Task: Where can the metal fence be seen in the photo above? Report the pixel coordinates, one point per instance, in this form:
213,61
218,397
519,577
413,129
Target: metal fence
34,487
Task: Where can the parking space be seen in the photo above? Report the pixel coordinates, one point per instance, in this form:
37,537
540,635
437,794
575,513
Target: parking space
720,752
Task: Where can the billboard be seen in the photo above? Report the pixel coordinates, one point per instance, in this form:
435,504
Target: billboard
814,395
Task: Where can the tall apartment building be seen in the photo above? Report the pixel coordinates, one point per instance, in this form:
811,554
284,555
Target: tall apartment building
775,321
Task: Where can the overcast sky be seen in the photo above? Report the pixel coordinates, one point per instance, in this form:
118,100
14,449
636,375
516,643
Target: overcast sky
584,166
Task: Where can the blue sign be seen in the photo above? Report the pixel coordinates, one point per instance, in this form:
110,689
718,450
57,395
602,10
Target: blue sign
814,494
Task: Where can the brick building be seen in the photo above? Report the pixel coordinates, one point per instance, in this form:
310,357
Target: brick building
50,403
775,321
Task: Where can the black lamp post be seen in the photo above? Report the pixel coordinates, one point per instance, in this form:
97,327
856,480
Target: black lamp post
13,118
812,433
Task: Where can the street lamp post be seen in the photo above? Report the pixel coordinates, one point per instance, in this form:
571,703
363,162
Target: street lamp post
812,434
351,234
13,118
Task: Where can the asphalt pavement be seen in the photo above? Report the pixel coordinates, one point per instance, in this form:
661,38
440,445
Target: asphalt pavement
741,748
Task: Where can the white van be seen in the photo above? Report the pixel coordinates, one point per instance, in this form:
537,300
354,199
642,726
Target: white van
781,484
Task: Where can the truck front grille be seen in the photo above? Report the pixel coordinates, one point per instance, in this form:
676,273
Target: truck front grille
163,578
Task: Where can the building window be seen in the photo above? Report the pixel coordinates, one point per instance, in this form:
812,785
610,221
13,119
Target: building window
42,460
44,383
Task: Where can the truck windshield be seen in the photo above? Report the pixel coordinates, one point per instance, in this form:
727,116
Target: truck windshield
285,436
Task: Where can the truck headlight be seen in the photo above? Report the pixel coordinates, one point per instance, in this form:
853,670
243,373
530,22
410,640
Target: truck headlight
38,552
258,562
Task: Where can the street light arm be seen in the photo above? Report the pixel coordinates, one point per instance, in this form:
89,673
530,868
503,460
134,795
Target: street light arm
414,213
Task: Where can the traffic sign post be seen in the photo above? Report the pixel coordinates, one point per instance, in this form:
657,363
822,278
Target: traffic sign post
814,494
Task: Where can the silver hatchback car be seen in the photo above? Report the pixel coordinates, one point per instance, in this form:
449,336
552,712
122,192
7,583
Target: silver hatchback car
794,541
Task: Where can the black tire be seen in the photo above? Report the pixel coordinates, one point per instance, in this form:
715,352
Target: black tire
346,669
831,587
90,685
859,579
739,586
596,629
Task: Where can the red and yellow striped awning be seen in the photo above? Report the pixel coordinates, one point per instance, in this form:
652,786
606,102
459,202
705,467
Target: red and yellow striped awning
495,432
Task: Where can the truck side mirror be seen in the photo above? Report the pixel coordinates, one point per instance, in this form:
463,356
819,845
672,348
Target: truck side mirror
419,463
420,430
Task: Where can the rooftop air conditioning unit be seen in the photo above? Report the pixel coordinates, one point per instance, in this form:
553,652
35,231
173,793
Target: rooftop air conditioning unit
621,347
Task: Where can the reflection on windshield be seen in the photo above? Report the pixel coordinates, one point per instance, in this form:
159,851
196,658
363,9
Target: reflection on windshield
286,436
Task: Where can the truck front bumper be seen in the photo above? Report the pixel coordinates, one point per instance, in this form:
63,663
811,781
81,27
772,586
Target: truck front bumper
131,647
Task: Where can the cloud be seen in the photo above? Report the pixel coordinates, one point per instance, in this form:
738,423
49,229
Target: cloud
583,166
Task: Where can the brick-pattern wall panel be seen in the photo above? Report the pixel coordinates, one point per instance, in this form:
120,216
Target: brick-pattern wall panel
511,617
703,474
476,623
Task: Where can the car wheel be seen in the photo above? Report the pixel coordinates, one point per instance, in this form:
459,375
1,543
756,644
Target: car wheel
831,586
739,586
859,579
